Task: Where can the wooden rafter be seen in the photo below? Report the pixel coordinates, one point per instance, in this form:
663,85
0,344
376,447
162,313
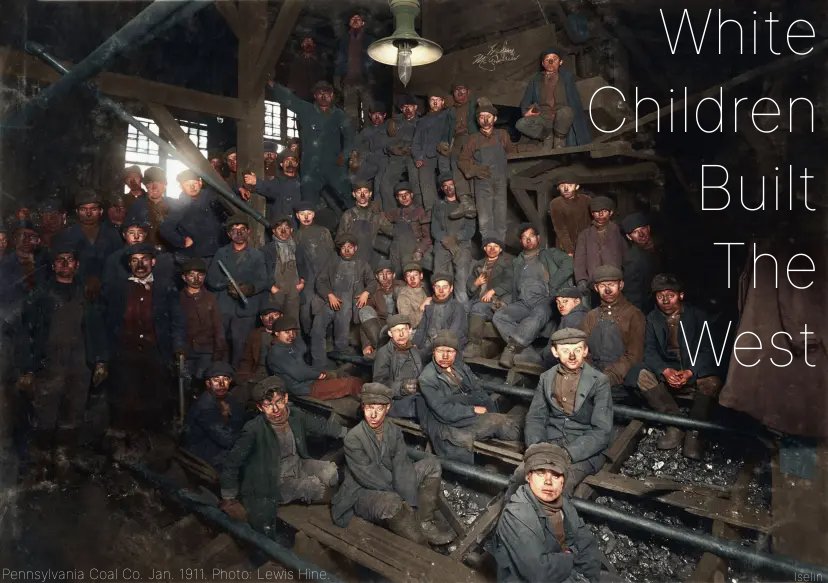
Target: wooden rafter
230,13
276,41
16,63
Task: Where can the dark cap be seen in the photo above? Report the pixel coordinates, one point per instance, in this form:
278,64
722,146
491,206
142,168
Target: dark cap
237,219
495,240
219,369
523,227
446,338
607,273
269,146
116,199
260,391
24,224
376,394
285,323
566,179
402,185
63,245
279,220
230,150
551,51
384,264
270,307
408,99
51,204
569,292
412,266
457,84
357,184
322,86
599,203
631,222
397,320
444,177
487,108
186,175
343,238
303,205
568,336
135,219
133,170
87,196
285,154
442,277
140,248
664,281
194,264
437,92
546,456
377,107
154,174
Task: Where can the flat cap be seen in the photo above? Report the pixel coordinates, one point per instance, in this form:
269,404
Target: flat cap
568,336
51,204
287,153
361,183
219,369
87,196
546,456
133,170
383,264
523,227
607,273
135,219
24,224
631,222
186,175
397,320
412,266
140,248
663,281
279,220
154,174
402,185
376,393
436,92
303,205
63,245
487,108
569,292
445,177
117,199
566,179
269,146
446,338
343,238
322,86
551,51
377,107
600,203
408,99
194,264
457,84
269,307
495,240
442,277
237,219
285,323
264,386
230,150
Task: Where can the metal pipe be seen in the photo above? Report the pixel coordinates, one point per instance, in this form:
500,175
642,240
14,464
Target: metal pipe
624,411
116,108
240,530
791,567
141,29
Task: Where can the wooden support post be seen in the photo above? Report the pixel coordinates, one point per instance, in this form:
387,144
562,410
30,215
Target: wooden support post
448,513
250,128
275,43
526,205
480,529
230,13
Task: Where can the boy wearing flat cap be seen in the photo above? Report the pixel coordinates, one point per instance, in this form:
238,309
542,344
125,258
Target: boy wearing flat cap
572,407
430,147
599,244
615,330
193,228
318,247
540,536
398,364
270,465
643,259
366,221
381,483
442,311
570,213
458,411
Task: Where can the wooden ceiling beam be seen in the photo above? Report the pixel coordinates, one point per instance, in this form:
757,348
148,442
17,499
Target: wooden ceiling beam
14,64
230,12
276,40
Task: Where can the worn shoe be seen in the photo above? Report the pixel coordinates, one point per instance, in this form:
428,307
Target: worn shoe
671,439
435,534
693,445
529,358
507,358
405,524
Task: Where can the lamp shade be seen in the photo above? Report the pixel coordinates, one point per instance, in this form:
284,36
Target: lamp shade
405,37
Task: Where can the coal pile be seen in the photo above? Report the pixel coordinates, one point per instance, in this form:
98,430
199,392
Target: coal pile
468,504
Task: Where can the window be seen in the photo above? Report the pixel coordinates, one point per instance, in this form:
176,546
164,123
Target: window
280,124
143,152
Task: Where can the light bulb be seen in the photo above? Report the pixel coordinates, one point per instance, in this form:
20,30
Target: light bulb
404,64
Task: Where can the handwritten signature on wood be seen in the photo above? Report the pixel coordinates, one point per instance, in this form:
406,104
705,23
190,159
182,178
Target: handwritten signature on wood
498,53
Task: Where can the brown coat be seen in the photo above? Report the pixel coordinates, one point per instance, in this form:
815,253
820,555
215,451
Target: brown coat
632,324
593,250
569,218
202,317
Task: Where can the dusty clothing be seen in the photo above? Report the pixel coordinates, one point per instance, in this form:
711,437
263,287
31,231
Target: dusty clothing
411,227
253,364
615,338
202,320
640,266
409,300
438,316
478,141
210,434
393,366
365,223
569,218
499,273
317,246
303,73
379,475
596,247
527,547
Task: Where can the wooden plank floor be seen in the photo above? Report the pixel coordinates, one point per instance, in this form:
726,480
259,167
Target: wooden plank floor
393,557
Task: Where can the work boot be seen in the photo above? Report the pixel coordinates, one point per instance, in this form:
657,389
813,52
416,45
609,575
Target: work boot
405,524
507,359
528,358
427,504
693,443
476,325
663,402
558,141
327,494
371,329
466,208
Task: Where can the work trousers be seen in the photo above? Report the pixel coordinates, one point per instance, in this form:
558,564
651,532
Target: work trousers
236,331
427,178
60,393
375,506
314,477
538,127
520,323
341,320
490,199
457,264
